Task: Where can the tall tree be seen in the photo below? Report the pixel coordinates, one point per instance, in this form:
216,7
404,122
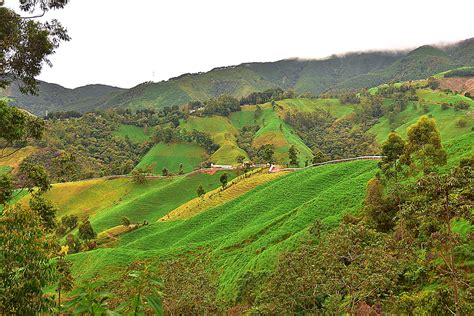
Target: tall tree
423,149
224,179
65,280
17,127
26,44
440,200
200,191
26,251
293,155
86,232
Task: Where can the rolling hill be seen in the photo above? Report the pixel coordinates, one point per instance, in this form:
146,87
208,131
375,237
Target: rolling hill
246,233
53,97
247,226
354,70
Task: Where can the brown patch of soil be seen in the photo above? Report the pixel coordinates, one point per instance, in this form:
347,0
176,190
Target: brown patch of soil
458,84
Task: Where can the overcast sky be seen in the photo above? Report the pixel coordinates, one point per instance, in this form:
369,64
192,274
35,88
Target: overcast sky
121,43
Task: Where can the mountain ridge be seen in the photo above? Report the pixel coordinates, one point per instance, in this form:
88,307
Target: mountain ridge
353,70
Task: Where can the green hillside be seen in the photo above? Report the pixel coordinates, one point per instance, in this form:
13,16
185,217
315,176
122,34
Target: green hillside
170,156
134,133
420,63
333,106
105,201
430,104
223,132
53,97
354,70
245,227
245,234
276,132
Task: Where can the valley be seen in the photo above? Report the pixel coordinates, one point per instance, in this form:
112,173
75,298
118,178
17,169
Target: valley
221,185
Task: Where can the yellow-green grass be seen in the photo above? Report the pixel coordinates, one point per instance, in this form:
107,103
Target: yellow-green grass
273,130
246,117
213,125
152,200
436,96
105,201
222,132
234,189
135,134
459,148
228,153
112,235
5,170
333,106
446,120
282,136
247,233
14,157
86,198
171,156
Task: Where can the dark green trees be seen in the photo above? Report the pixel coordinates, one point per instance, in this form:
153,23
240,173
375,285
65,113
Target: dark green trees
293,155
224,179
200,191
139,176
222,105
86,232
125,221
17,127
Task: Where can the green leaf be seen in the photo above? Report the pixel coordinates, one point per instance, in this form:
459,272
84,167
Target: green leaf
155,304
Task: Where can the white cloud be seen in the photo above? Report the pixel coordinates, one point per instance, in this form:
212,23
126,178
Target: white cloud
122,42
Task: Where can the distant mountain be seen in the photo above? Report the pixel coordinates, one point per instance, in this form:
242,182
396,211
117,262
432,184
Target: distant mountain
354,70
53,97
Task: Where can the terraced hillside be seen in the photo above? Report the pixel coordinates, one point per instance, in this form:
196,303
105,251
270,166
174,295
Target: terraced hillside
233,190
105,201
171,156
246,233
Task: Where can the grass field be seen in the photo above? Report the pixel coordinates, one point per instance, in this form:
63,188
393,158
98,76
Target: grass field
5,170
446,120
459,148
275,131
170,156
135,134
13,160
87,197
153,200
333,106
244,234
223,132
234,189
105,201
